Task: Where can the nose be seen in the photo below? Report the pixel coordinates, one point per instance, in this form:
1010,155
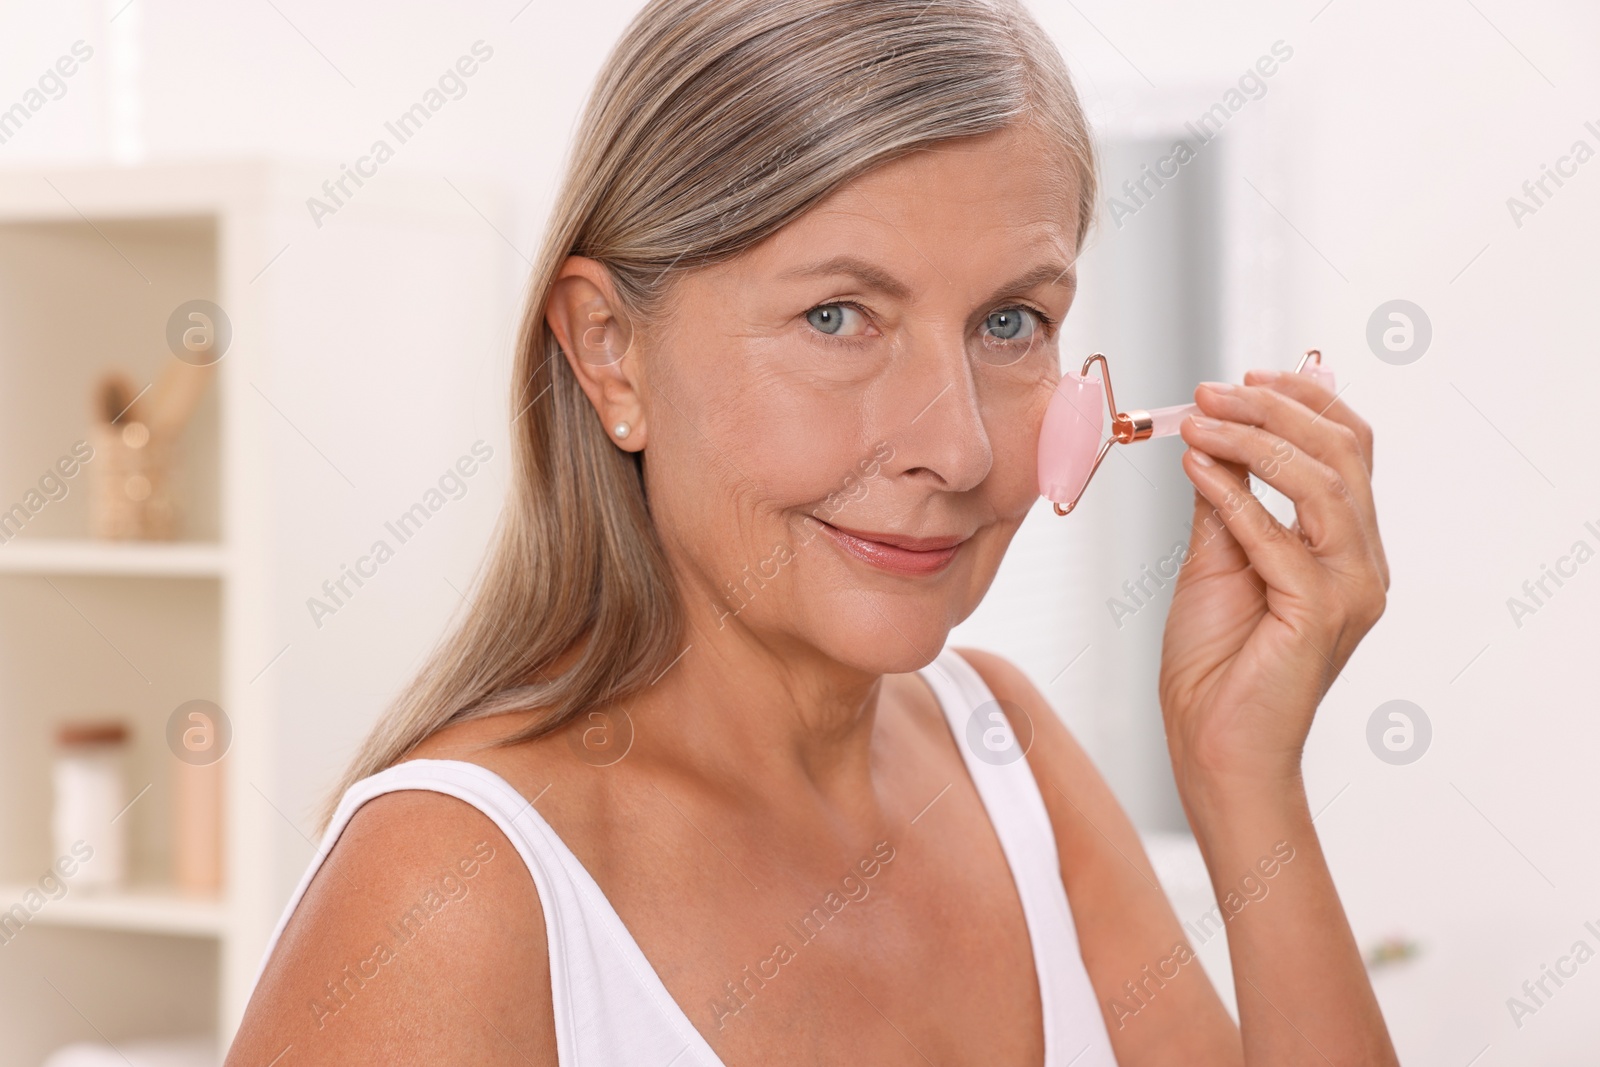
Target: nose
938,433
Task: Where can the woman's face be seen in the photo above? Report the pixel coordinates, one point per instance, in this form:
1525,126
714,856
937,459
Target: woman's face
879,367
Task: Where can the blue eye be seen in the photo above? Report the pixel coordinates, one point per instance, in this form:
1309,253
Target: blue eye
1011,333
831,318
1008,324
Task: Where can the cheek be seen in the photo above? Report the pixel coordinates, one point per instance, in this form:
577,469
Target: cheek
1013,424
792,439
797,441
742,443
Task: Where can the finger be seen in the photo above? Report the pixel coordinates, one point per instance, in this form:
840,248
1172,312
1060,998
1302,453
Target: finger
1327,515
1211,547
1278,555
1321,402
1328,406
1330,442
1274,410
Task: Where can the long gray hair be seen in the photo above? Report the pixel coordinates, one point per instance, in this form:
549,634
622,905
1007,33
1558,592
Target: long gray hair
713,124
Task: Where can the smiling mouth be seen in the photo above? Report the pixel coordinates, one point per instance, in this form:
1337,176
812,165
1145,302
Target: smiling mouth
910,556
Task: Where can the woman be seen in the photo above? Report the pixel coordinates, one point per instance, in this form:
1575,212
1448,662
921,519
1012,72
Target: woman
696,780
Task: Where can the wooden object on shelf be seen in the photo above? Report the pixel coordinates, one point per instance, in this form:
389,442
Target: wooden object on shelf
130,493
174,397
135,439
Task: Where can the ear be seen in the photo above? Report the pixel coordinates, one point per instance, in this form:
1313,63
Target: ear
596,337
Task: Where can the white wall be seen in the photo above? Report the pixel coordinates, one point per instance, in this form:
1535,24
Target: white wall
1377,166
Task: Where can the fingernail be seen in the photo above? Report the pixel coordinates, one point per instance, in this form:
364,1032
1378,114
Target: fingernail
1266,375
1201,458
1220,387
1205,422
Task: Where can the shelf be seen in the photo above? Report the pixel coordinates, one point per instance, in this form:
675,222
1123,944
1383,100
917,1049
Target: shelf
156,560
135,910
136,629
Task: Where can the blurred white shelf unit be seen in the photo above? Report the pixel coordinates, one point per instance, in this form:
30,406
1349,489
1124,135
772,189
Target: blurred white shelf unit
135,910
93,262
84,557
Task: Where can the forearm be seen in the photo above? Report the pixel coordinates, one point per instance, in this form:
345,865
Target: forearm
1303,992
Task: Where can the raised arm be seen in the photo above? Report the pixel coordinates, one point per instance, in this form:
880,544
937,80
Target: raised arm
1263,619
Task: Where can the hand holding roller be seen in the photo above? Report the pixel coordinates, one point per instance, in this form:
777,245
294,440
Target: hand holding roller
1070,448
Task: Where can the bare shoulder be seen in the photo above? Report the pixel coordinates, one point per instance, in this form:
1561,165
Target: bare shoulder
1124,921
420,940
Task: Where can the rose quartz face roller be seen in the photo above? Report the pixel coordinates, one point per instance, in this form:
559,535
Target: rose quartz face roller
1070,449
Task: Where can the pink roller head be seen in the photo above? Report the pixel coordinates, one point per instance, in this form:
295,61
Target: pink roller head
1069,439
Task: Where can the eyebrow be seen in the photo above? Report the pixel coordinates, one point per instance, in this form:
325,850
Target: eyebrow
874,277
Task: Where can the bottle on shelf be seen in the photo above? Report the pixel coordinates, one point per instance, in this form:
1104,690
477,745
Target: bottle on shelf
199,738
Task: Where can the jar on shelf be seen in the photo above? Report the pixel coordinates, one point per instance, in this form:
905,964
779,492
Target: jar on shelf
90,797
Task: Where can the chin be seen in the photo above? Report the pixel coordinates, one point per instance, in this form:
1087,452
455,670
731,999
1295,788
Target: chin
886,625
871,646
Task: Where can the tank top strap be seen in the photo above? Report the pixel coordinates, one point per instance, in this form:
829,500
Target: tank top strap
610,1006
996,758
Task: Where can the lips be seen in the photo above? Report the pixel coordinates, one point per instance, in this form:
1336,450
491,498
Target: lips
896,553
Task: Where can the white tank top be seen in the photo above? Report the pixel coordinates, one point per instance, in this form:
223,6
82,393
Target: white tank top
611,1008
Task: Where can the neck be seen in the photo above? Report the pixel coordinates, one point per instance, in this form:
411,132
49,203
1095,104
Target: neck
738,707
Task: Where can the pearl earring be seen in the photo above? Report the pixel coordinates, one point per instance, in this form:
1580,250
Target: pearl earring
621,429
